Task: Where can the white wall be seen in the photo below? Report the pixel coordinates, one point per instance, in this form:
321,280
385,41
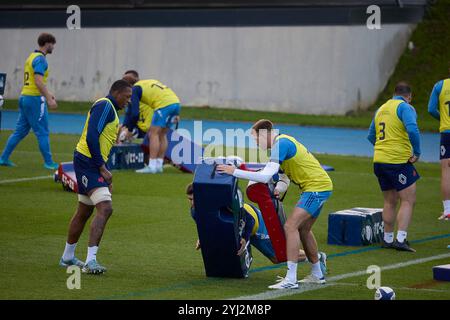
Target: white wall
320,70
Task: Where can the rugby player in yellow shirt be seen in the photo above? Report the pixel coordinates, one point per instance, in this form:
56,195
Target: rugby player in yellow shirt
439,108
396,139
166,110
33,101
303,169
93,177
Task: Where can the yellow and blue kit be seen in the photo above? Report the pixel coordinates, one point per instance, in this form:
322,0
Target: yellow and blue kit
92,151
35,64
396,137
33,113
140,118
155,95
303,169
439,108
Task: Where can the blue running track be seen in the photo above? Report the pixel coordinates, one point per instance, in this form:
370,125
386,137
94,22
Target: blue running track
339,141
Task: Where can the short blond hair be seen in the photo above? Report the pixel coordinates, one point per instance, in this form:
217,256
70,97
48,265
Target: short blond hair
263,124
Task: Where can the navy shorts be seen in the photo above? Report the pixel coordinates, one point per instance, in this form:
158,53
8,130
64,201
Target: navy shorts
87,173
445,146
395,176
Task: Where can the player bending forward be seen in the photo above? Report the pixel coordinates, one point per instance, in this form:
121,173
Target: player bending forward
93,178
303,169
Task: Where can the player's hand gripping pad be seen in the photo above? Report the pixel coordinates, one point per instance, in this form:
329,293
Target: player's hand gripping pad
273,215
219,215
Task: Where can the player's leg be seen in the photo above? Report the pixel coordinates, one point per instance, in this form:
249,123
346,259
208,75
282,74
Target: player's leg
318,267
389,215
404,179
407,202
291,230
155,143
163,118
104,212
445,186
20,132
162,148
39,123
81,216
444,156
101,197
154,146
309,241
145,146
322,256
299,223
312,203
386,179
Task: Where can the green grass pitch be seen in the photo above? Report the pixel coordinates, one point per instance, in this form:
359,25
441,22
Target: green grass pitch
148,245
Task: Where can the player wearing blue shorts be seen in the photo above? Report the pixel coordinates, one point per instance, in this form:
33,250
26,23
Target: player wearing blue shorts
396,139
33,102
166,110
303,169
93,178
256,232
439,108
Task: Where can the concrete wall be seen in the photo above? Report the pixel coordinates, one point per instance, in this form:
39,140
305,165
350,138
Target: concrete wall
313,70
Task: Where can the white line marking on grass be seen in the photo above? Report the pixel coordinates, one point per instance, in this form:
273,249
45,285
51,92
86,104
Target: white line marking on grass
273,294
36,152
25,179
395,288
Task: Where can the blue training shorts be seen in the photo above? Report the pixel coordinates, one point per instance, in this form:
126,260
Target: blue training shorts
87,173
445,146
313,202
395,176
163,117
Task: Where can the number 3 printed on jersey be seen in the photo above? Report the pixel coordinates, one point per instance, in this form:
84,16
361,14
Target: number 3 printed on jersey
382,130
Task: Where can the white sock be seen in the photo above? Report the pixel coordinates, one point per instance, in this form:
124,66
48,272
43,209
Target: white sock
446,207
401,235
315,270
160,162
92,253
291,274
152,163
389,237
69,251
